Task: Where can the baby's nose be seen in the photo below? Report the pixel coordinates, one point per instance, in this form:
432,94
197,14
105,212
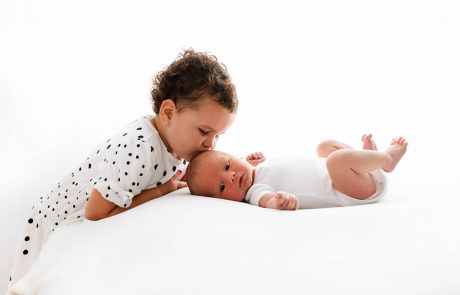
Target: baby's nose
231,177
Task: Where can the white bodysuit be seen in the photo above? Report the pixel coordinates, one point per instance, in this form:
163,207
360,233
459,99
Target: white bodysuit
308,179
130,161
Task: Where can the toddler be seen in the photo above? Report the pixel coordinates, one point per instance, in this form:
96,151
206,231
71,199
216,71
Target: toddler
194,102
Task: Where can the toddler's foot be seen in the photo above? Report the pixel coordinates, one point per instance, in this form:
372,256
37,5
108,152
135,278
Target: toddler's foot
396,150
368,142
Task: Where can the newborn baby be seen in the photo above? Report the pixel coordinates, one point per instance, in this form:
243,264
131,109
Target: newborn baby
339,176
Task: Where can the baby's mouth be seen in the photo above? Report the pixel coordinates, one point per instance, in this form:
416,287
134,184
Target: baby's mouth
241,180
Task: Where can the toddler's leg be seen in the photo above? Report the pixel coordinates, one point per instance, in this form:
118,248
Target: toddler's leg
35,235
349,169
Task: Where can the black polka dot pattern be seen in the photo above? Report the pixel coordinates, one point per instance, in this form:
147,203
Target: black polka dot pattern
132,157
120,168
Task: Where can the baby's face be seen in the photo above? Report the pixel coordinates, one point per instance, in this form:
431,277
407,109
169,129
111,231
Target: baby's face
224,176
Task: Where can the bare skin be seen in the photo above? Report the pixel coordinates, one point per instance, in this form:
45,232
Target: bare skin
349,168
368,142
185,133
396,150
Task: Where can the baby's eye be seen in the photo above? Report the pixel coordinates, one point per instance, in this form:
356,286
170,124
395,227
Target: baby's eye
222,187
203,132
227,165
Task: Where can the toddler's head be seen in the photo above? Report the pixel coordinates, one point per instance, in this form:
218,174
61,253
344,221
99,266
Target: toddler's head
221,175
195,102
192,77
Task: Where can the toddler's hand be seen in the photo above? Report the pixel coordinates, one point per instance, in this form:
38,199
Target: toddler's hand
283,201
173,184
255,158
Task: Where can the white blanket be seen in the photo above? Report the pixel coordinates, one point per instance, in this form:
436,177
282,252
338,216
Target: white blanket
182,244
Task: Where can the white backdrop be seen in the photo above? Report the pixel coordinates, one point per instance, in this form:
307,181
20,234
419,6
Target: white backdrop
72,73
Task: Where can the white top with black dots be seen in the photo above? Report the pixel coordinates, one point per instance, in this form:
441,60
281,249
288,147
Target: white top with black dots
130,161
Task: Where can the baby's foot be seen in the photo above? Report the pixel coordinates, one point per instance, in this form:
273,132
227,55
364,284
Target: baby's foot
368,142
396,150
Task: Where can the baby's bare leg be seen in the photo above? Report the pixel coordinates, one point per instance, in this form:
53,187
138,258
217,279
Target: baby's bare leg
327,147
368,142
349,169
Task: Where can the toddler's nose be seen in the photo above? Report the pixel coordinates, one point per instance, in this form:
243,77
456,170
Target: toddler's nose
209,143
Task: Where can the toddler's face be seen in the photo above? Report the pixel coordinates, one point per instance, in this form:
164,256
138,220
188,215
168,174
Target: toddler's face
195,130
224,176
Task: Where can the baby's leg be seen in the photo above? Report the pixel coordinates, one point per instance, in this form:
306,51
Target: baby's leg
327,147
368,142
349,169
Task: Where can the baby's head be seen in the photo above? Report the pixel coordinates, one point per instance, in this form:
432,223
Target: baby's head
220,175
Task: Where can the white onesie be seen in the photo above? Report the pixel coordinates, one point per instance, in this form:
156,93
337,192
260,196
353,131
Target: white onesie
308,179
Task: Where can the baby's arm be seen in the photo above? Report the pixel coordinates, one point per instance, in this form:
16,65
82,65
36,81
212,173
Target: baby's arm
99,208
279,200
255,158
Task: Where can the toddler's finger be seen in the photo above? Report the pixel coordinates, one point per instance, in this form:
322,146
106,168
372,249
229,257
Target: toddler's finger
181,184
178,175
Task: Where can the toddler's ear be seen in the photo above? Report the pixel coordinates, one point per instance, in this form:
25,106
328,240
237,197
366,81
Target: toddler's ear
167,109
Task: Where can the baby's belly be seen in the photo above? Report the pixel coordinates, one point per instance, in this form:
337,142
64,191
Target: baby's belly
308,179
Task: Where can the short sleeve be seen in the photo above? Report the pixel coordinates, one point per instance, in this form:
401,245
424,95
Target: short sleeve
256,192
124,171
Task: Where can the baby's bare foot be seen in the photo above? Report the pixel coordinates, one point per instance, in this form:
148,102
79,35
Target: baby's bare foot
396,150
368,142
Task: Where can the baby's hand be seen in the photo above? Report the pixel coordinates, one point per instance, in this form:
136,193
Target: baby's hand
255,158
283,201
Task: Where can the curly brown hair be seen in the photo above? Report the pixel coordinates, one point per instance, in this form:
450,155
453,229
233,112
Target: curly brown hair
192,77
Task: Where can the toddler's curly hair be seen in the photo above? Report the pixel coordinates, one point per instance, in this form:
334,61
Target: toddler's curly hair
192,77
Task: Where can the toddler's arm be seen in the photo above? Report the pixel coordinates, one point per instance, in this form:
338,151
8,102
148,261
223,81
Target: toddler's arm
99,208
279,200
255,158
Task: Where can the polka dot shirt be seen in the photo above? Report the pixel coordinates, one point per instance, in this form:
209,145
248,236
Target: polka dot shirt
132,160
